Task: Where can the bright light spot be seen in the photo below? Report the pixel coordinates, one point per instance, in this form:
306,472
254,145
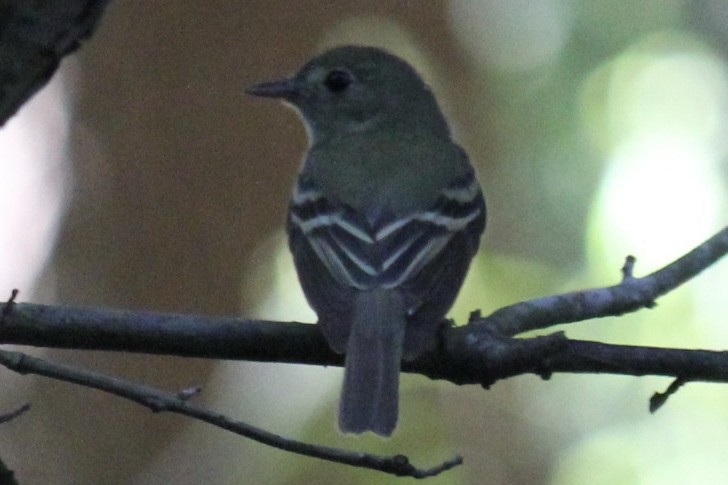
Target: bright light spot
33,184
679,92
660,197
517,35
662,194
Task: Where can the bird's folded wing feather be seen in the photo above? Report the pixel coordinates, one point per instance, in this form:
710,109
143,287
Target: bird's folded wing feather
363,255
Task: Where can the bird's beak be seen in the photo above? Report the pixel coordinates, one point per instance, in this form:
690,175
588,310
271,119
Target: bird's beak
280,88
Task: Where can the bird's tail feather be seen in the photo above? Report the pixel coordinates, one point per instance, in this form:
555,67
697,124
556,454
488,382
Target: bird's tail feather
369,398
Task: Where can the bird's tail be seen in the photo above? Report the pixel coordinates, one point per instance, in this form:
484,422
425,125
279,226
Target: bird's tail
369,398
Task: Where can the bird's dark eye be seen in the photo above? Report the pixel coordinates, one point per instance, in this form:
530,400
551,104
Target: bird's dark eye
337,80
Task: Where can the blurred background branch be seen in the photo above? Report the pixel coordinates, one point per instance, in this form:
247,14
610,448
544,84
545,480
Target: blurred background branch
34,37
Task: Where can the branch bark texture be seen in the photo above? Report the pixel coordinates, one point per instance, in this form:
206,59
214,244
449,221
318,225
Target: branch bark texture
481,352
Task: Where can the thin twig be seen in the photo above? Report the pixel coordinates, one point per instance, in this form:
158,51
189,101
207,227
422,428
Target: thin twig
629,295
658,399
160,401
9,306
628,268
188,393
4,418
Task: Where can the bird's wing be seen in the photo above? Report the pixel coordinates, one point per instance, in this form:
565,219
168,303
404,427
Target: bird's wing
389,253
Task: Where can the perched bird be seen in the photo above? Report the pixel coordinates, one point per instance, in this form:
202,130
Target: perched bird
384,219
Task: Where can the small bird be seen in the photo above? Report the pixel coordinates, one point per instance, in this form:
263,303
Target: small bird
384,220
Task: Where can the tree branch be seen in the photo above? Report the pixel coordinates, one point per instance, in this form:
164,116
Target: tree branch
161,401
481,352
4,418
630,295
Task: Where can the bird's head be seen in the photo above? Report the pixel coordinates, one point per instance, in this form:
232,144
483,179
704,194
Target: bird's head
354,89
